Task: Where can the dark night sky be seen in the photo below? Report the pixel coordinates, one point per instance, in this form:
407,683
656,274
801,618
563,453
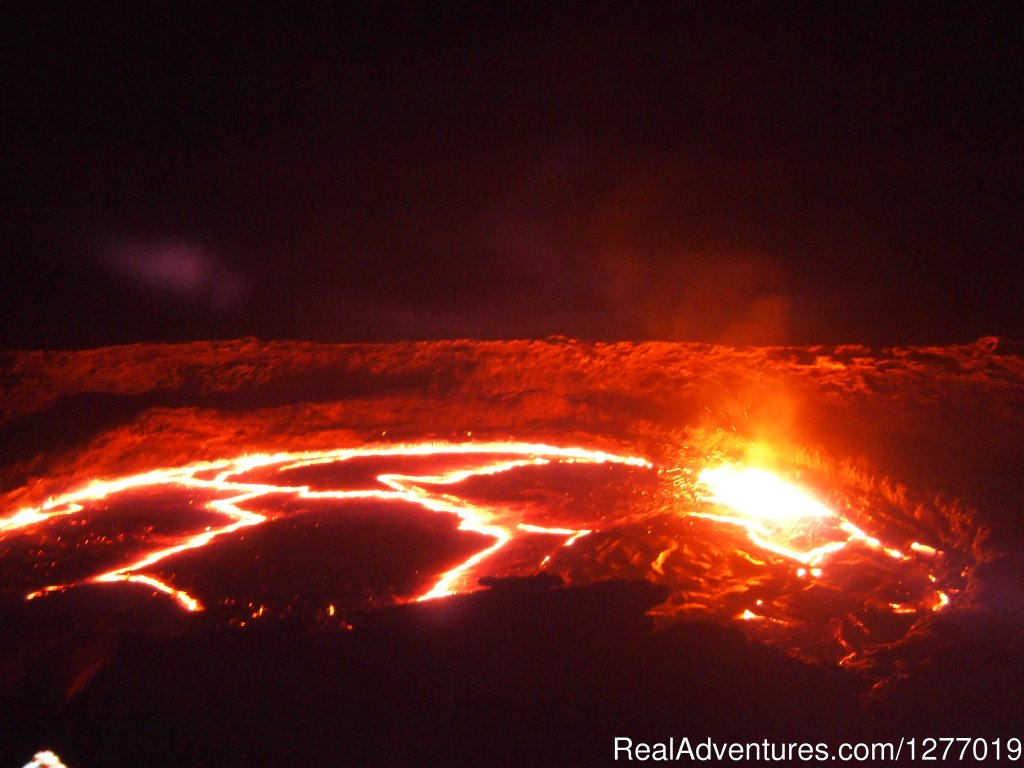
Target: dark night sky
748,173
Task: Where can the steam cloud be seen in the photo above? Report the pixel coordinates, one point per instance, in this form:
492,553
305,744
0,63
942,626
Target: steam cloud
178,270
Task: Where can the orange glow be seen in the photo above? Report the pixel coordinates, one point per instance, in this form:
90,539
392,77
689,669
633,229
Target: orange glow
796,538
760,495
900,608
786,520
482,459
773,511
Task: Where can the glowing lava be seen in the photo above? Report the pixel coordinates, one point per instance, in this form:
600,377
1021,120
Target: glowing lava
227,477
769,551
786,520
776,513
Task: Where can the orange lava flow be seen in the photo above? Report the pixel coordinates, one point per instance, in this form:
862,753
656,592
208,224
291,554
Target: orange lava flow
486,458
782,518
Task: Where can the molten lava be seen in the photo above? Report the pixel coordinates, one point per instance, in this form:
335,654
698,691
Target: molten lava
223,477
776,513
738,542
783,519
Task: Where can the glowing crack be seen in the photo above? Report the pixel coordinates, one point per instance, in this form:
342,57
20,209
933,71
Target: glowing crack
482,458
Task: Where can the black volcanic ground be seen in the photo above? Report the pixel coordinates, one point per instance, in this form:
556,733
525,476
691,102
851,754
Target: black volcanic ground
522,673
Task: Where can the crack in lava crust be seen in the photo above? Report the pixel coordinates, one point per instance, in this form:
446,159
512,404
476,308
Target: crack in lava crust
731,541
222,477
